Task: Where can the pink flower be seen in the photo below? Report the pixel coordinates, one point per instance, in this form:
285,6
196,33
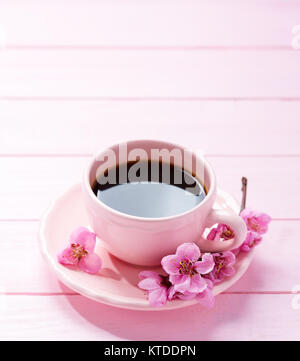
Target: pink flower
236,251
223,266
157,287
185,268
205,298
256,221
252,240
81,252
220,232
172,294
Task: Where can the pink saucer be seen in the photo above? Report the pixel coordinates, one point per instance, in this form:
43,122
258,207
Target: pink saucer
116,283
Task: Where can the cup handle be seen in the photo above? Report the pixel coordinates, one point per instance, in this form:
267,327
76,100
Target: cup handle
232,220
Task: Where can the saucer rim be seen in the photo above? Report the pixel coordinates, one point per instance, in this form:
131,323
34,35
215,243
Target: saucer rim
123,301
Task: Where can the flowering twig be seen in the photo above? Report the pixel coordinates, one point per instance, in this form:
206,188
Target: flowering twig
193,275
244,190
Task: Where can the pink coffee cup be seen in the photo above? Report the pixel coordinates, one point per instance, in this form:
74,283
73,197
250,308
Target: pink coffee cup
144,241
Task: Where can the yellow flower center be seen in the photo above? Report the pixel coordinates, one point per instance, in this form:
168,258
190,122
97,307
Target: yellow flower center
186,268
255,226
227,233
220,266
78,251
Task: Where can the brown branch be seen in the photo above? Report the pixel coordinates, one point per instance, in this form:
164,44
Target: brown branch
244,190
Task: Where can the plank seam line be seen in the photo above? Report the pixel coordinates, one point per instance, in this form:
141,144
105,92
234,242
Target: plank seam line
153,98
99,47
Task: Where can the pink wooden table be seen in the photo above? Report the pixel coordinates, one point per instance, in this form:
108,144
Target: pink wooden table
218,76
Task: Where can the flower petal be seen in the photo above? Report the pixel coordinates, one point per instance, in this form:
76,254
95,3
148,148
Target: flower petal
264,218
206,265
213,235
210,279
171,264
174,279
85,238
228,271
236,251
66,257
229,258
257,240
247,213
252,240
197,284
187,296
171,293
256,221
188,251
149,284
91,263
245,248
158,297
206,298
149,274
210,284
183,284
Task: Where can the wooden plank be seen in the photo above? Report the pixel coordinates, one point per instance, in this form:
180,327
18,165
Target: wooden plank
274,268
28,185
217,127
272,182
24,270
32,184
151,75
205,51
163,23
235,317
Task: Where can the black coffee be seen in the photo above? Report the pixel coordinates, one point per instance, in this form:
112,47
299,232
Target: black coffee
149,189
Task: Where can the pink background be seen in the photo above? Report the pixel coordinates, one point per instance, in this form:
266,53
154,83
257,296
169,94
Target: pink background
76,76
